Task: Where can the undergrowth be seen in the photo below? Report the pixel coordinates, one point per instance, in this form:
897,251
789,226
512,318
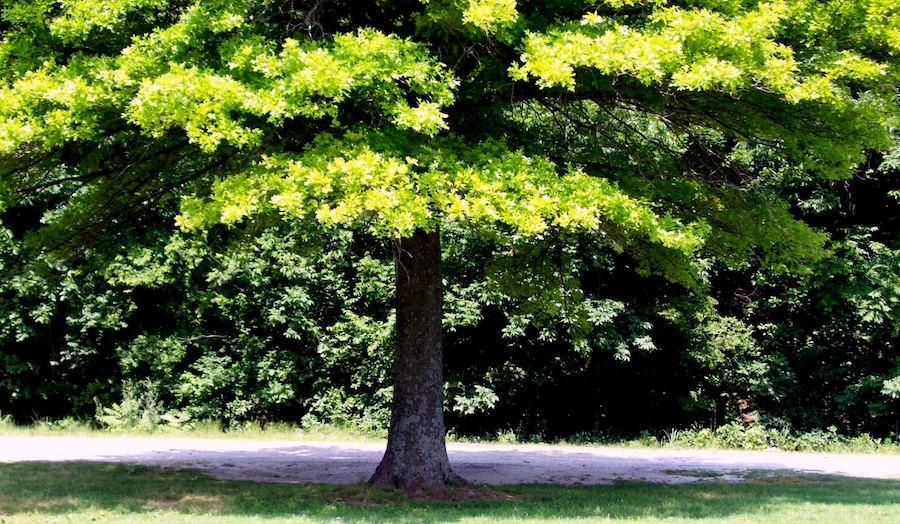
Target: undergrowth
728,436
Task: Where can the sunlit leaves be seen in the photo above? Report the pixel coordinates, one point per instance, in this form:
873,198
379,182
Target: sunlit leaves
490,14
256,91
200,103
698,49
81,17
47,106
343,181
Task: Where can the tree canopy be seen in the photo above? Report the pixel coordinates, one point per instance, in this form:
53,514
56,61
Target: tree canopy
328,111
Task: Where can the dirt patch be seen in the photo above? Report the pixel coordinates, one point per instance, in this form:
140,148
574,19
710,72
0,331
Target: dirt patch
484,464
697,473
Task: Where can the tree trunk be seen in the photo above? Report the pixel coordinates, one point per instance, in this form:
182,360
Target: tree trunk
416,456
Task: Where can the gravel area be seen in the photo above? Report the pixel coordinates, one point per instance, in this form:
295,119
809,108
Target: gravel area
348,462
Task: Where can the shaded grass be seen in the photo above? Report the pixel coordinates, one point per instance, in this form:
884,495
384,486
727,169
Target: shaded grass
85,492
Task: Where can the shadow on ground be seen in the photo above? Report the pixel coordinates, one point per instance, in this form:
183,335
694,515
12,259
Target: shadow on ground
319,463
80,488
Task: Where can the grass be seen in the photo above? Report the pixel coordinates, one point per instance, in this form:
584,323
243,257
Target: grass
92,492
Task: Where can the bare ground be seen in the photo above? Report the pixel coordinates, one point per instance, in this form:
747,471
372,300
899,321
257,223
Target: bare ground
347,462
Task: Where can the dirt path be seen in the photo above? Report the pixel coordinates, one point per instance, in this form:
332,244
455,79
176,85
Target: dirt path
285,461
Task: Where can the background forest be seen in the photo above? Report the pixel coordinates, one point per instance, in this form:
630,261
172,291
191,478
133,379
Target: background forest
547,338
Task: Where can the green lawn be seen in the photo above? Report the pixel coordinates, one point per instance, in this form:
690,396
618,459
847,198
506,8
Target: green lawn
90,492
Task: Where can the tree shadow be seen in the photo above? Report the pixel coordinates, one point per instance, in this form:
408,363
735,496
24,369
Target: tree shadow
495,465
77,489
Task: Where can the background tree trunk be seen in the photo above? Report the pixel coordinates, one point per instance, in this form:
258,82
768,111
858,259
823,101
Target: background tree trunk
416,455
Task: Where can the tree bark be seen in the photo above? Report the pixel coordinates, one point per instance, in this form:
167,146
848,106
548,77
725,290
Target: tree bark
416,455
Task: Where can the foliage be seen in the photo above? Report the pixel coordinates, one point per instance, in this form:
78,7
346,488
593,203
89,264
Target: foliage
139,409
738,436
833,334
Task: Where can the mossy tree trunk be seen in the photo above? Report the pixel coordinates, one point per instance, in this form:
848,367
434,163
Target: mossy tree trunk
416,455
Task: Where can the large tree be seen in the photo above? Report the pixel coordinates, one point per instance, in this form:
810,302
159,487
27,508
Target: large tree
662,129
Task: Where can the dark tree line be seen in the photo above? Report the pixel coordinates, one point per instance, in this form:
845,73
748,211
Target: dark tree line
547,338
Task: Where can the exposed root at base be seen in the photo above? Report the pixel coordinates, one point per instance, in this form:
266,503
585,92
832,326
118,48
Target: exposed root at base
383,478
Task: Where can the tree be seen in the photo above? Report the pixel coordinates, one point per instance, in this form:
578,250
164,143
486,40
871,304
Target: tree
642,123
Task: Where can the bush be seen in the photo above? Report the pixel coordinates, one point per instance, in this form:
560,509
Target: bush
757,437
139,409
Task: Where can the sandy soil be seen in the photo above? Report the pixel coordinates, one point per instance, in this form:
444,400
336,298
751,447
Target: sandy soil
343,462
